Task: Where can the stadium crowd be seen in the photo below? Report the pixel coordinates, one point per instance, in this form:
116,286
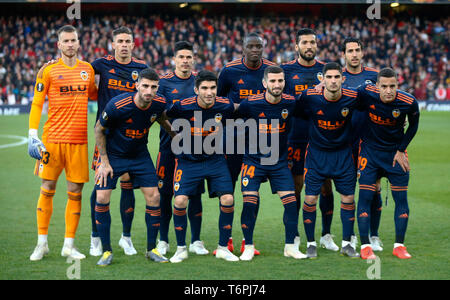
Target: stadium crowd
417,49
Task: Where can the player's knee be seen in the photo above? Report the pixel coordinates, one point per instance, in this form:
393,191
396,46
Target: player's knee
227,199
49,185
103,197
125,177
152,197
311,200
180,201
347,198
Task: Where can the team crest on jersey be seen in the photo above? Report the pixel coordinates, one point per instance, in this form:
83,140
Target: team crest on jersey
344,112
396,113
153,118
105,116
84,75
160,184
284,113
176,186
134,75
319,76
218,117
245,181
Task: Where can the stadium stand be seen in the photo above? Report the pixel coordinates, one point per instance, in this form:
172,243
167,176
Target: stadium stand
416,47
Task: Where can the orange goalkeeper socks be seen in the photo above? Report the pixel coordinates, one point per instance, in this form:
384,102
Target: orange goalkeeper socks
44,210
73,211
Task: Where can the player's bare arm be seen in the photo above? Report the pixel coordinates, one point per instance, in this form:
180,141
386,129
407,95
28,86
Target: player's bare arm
105,168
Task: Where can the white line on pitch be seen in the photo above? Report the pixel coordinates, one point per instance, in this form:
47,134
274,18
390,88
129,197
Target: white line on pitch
22,140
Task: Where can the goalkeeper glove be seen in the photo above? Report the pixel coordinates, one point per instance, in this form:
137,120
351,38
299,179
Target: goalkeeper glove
35,146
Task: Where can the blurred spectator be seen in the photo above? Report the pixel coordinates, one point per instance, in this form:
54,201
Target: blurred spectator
417,49
440,93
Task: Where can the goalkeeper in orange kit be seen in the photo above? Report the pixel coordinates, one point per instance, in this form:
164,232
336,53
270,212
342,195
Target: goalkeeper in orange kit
67,84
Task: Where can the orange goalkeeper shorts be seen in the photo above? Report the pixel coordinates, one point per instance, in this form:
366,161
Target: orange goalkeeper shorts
73,158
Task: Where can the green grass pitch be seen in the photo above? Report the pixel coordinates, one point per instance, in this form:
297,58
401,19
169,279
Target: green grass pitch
426,239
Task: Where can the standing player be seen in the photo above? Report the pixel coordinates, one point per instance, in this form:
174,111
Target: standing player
328,154
355,75
174,87
383,151
121,135
192,167
266,108
301,74
238,80
68,84
118,74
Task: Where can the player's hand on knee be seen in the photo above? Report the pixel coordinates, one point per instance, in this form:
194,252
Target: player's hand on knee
402,160
35,145
101,177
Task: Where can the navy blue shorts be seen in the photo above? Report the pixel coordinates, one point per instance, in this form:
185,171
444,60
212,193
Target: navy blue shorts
165,167
374,164
279,176
140,169
234,163
337,165
189,175
296,157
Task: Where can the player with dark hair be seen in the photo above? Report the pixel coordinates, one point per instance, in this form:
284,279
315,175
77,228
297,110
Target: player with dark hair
192,167
118,74
328,154
121,134
272,111
303,73
355,75
68,83
238,80
383,152
175,86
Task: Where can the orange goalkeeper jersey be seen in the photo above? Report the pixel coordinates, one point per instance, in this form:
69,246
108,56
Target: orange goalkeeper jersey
68,90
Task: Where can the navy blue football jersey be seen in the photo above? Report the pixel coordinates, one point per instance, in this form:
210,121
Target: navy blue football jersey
115,78
264,112
354,80
330,121
173,89
128,125
188,109
237,81
386,120
298,79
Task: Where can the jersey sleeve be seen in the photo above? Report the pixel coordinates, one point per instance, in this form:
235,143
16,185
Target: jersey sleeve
40,91
162,88
96,65
109,115
413,126
362,98
301,108
93,90
175,110
223,84
243,110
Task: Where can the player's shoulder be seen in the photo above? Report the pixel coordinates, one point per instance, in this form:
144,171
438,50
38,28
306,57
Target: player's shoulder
405,97
267,62
370,70
234,63
46,68
85,64
187,101
320,62
139,62
288,97
350,92
122,100
371,89
167,76
255,98
288,63
313,92
223,100
107,59
160,99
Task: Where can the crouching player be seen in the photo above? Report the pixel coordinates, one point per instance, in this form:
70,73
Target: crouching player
383,152
123,149
192,167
